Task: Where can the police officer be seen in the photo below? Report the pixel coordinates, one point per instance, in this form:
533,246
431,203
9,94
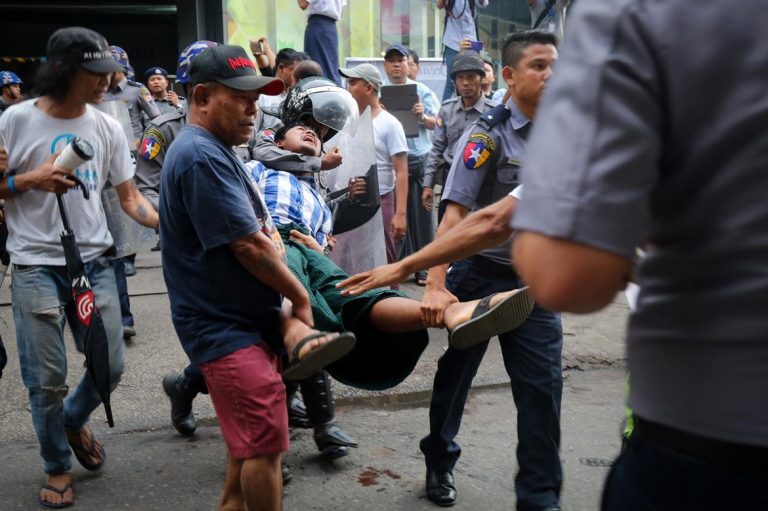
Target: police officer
156,79
455,115
488,158
11,89
137,98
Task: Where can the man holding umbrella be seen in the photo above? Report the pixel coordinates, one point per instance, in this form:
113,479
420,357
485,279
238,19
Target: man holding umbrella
34,132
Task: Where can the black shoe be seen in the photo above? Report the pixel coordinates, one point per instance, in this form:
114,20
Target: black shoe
181,403
297,413
333,442
156,248
128,332
440,488
130,268
287,475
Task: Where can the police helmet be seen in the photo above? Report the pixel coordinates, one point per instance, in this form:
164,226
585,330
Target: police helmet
468,61
9,78
325,102
190,52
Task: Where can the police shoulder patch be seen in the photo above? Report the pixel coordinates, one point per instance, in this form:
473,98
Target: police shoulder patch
146,94
479,148
152,142
439,124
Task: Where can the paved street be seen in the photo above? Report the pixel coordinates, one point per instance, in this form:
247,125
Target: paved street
150,467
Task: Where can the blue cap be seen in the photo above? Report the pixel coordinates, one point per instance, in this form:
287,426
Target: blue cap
399,48
187,54
120,56
9,78
156,70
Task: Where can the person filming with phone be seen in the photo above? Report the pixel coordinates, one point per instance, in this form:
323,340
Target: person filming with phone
167,101
459,33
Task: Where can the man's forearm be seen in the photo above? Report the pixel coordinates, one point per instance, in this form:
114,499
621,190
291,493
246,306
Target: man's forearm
136,206
401,185
483,229
454,213
257,254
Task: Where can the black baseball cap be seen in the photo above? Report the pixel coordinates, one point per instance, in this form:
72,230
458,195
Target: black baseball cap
83,45
230,65
399,48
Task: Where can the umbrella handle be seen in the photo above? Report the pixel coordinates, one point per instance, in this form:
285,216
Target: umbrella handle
62,209
86,193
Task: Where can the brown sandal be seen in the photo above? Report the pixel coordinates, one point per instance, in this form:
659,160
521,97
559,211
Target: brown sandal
83,454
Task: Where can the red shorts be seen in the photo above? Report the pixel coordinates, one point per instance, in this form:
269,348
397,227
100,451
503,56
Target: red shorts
249,398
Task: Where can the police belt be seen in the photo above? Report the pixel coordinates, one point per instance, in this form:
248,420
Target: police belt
718,452
491,266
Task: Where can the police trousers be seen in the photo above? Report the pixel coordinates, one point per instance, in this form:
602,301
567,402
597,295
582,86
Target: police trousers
532,360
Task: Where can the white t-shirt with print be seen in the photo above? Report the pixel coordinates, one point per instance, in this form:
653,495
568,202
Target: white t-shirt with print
34,221
389,139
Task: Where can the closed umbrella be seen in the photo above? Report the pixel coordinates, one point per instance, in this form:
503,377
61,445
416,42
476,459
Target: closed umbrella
86,311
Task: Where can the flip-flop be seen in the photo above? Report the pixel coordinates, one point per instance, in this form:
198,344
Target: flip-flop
325,354
60,491
82,454
488,321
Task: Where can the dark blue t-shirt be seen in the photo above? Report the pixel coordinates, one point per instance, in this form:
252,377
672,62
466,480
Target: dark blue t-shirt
207,200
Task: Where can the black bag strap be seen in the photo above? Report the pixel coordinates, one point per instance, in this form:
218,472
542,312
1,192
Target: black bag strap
543,14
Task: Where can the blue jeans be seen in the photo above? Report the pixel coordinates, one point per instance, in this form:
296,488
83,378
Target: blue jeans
650,477
532,359
42,303
126,316
449,54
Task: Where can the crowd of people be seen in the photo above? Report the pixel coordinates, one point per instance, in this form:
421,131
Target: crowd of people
622,156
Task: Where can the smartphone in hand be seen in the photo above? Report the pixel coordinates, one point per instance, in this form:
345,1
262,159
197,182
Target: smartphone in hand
476,46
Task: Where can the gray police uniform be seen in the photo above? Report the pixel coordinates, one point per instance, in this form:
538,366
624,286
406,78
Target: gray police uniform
683,173
138,99
489,155
452,120
166,107
157,138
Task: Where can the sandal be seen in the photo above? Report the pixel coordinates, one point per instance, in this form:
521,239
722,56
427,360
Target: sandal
488,321
314,361
83,454
60,491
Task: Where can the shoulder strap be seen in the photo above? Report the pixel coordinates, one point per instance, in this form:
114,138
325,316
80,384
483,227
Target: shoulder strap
543,14
495,116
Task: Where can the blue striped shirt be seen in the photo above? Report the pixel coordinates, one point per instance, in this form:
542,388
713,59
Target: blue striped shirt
292,198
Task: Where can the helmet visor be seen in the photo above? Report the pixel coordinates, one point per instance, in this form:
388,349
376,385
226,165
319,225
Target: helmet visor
334,107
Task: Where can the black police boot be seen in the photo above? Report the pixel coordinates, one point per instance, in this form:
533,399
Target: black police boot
331,440
297,412
181,393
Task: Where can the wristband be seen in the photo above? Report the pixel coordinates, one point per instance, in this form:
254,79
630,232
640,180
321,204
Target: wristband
11,186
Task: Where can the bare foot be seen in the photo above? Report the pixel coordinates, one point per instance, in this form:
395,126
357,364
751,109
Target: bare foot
59,482
461,312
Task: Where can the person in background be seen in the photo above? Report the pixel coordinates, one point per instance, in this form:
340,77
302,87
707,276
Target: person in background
364,83
455,115
414,67
10,86
489,82
549,15
164,97
321,39
421,228
459,26
269,106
